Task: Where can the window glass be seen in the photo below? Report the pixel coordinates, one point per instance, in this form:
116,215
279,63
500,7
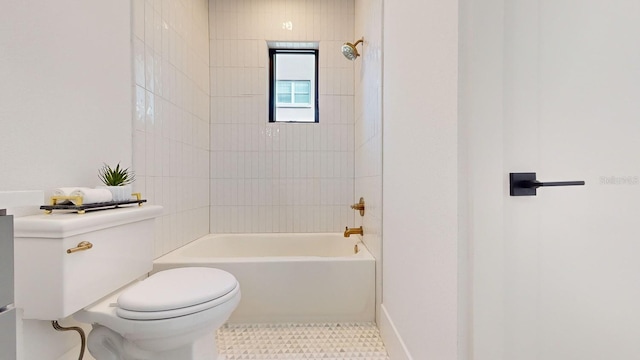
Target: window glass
285,93
293,92
302,92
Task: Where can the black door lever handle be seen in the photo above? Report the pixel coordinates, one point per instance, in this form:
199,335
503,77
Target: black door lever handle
525,184
536,184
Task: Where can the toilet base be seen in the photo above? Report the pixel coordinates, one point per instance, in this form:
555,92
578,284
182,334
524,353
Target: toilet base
105,344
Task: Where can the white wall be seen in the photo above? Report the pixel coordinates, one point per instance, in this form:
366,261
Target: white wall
65,94
420,188
65,108
368,130
279,177
171,116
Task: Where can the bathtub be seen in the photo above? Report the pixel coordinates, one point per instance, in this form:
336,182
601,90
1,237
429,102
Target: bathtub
288,277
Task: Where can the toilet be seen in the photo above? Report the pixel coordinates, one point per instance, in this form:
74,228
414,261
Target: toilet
173,314
97,272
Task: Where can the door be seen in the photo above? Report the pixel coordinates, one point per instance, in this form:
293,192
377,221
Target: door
559,277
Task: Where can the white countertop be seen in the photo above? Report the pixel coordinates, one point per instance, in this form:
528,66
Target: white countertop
59,225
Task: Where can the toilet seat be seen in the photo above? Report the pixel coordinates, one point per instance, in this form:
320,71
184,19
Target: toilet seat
176,292
211,314
168,314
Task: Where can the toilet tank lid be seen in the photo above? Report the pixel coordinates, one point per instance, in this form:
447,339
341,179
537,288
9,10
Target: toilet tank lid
177,288
60,225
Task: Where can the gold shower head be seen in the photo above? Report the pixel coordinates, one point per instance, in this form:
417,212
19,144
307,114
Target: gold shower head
349,50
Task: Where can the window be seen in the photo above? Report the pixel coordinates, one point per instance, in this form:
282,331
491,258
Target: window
293,93
293,85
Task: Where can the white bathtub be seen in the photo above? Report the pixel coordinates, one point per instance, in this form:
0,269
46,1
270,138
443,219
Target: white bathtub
288,277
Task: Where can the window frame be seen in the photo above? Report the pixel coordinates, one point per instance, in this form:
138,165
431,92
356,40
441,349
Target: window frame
314,101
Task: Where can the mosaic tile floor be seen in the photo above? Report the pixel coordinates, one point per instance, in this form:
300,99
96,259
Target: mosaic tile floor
301,341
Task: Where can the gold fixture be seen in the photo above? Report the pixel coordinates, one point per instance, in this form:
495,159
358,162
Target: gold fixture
352,231
355,249
77,201
359,206
83,338
349,50
80,207
84,245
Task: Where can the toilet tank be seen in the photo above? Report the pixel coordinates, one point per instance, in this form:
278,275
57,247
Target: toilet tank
52,281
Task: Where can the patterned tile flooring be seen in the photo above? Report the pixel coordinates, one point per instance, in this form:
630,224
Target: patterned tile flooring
334,341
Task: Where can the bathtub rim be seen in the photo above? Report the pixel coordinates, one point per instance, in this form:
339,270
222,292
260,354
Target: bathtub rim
175,256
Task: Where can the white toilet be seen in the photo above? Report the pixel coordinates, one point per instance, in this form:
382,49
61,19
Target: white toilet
171,315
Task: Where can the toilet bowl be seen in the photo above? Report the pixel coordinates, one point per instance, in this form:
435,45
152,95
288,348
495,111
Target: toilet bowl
173,314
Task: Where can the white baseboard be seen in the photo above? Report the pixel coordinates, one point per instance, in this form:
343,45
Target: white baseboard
392,340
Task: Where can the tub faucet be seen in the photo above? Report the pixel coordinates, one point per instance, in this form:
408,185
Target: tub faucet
352,231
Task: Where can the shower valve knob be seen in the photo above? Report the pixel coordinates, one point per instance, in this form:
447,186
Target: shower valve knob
359,206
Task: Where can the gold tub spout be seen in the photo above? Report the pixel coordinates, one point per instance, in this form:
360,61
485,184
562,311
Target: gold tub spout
352,231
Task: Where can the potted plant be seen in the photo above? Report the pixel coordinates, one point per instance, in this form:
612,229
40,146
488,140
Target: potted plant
117,180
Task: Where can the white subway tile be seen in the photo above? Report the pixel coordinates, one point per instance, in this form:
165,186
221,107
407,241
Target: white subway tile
305,169
138,61
275,165
259,171
275,192
157,31
140,109
269,165
282,191
324,219
149,109
289,214
234,214
148,67
338,218
317,165
330,170
139,153
241,166
150,154
297,166
255,165
148,23
289,164
138,20
247,164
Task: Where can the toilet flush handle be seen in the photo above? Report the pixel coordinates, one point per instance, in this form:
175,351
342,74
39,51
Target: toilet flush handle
84,245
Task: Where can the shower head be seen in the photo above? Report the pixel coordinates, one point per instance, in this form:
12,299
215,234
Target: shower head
349,50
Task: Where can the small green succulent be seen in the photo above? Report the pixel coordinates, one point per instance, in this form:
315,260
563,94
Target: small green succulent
117,176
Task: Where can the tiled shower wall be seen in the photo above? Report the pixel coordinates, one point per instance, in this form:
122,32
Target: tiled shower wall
171,115
368,130
279,177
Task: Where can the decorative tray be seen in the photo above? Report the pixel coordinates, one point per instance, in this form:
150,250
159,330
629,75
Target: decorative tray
80,207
